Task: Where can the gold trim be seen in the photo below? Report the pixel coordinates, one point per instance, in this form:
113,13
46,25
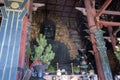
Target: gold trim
17,0
15,5
14,10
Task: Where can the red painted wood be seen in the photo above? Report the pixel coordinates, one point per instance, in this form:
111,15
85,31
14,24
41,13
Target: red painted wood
91,22
23,43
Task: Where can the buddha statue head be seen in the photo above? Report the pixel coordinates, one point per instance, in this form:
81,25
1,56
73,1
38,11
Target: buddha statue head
48,29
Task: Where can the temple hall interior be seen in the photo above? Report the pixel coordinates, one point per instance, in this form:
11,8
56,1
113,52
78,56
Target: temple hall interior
60,40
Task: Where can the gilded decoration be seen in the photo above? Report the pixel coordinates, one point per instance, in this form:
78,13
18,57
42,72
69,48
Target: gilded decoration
14,5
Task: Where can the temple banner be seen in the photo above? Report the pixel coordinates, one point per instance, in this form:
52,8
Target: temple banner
10,37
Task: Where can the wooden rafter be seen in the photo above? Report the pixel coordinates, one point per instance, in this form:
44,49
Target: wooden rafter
83,10
106,4
107,24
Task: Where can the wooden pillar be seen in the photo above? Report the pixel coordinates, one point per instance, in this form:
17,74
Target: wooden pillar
22,49
23,43
92,25
21,61
23,39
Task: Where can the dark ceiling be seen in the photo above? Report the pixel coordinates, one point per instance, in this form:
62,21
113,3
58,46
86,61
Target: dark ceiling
62,8
66,8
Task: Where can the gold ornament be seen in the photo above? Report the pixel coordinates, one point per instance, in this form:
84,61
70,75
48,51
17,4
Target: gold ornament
15,5
17,0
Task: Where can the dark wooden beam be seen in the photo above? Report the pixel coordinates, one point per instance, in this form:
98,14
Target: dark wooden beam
112,37
66,16
61,4
55,6
63,7
72,8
